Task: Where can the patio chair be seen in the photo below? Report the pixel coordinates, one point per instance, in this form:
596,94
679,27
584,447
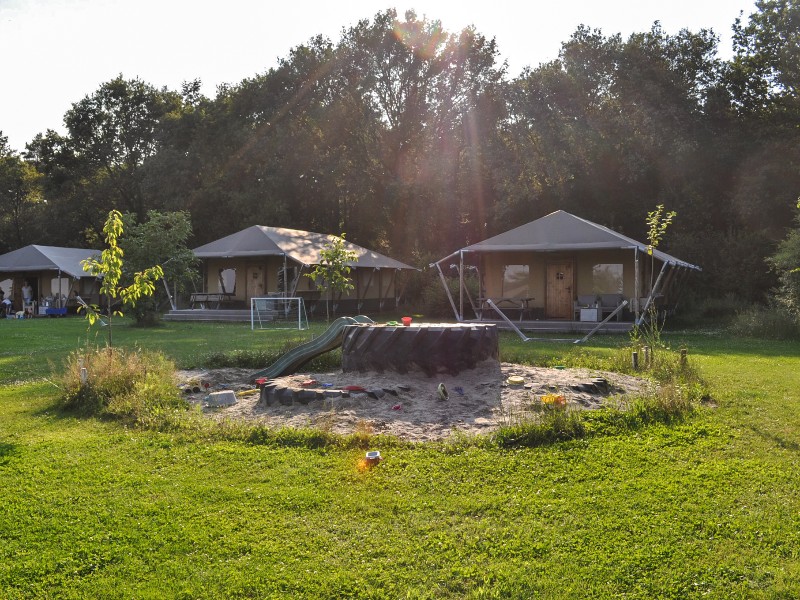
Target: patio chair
588,301
609,303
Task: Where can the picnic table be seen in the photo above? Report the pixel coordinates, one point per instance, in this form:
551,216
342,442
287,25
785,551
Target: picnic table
209,299
517,304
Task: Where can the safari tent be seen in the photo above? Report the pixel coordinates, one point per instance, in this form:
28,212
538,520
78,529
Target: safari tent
562,268
262,261
55,274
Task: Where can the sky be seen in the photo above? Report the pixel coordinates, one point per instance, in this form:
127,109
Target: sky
56,52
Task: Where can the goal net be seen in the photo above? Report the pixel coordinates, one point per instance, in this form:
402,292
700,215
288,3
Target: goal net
278,313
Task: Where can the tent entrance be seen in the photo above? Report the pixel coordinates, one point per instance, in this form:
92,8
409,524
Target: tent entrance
558,297
255,281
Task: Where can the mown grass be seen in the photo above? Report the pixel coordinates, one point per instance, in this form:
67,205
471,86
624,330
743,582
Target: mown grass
707,506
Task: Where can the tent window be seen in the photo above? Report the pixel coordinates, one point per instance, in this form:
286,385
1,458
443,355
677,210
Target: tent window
59,285
607,279
515,281
227,281
286,279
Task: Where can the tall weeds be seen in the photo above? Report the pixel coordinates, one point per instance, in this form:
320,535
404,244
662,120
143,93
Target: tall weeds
110,382
139,388
678,392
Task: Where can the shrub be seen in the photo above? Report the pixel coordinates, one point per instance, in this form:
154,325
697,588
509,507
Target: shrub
665,366
700,312
435,300
786,264
289,437
679,392
242,359
128,385
773,323
554,426
261,359
719,308
670,404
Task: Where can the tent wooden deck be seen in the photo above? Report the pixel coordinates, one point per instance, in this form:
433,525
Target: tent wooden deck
208,314
561,326
533,326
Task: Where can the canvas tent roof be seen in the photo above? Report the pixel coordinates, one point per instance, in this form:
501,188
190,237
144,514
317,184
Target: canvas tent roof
562,231
46,258
301,246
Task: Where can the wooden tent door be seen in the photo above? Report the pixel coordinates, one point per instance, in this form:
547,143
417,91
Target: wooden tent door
255,282
558,303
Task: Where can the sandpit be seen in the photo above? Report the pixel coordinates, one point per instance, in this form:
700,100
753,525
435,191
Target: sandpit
410,406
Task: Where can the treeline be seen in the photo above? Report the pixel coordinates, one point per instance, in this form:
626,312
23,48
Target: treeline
416,141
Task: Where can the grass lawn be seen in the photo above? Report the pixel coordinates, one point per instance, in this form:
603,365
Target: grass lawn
707,508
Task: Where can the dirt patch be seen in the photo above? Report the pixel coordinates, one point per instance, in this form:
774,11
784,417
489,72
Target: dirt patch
412,406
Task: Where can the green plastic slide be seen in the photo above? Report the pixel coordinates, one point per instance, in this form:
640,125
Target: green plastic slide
297,357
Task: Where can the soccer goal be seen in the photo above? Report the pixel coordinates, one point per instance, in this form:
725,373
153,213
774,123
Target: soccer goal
278,313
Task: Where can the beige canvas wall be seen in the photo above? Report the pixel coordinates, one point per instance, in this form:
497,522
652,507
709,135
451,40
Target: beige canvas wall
369,284
584,262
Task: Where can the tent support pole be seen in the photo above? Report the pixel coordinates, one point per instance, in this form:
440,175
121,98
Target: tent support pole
363,296
603,322
461,283
381,293
680,285
652,295
447,291
295,283
169,296
398,292
636,293
508,321
285,278
471,301
668,280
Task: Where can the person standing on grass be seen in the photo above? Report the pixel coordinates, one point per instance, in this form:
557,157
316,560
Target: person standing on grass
27,293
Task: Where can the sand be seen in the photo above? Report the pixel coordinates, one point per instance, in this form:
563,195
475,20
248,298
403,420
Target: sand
410,406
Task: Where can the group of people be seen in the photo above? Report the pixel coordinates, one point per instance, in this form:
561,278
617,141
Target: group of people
7,305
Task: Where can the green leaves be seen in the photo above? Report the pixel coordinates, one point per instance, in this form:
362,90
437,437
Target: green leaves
109,268
657,223
332,272
765,68
786,264
20,196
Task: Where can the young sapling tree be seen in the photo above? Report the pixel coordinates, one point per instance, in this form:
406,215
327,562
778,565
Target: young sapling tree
109,268
657,224
332,274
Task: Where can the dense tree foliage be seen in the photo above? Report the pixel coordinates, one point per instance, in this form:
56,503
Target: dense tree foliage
115,288
160,240
416,141
99,163
786,264
20,199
